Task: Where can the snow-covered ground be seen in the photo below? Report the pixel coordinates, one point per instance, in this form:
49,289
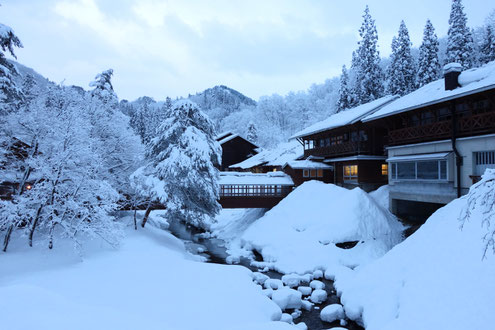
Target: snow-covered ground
299,234
436,279
150,282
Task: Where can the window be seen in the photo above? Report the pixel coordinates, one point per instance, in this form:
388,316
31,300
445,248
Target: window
313,173
483,160
320,173
384,169
350,173
419,170
305,173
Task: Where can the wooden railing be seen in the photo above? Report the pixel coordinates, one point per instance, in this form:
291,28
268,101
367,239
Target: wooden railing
254,190
468,125
346,148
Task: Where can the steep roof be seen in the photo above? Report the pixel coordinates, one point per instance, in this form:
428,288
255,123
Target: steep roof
346,117
472,81
279,156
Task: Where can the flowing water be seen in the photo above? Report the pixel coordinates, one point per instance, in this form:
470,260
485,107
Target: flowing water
215,252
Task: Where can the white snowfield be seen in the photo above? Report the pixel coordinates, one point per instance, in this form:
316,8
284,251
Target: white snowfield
299,234
150,282
435,279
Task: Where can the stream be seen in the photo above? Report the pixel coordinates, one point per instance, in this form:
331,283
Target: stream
214,250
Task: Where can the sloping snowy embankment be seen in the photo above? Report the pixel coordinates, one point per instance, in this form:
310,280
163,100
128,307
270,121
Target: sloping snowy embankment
151,282
299,234
435,279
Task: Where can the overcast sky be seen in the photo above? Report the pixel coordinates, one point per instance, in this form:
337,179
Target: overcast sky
172,48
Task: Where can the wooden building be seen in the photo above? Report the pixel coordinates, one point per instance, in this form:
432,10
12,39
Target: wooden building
235,149
305,170
440,139
355,150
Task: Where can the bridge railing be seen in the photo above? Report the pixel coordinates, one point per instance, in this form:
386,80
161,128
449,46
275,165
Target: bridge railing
255,190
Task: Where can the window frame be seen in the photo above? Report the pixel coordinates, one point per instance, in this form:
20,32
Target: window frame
394,171
351,178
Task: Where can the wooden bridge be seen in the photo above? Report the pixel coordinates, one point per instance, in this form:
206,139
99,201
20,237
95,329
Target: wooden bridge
253,190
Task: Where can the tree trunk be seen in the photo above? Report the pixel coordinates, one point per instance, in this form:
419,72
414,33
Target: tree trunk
33,226
7,237
146,215
135,220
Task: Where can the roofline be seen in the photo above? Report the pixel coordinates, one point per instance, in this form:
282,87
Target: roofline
357,157
445,99
392,98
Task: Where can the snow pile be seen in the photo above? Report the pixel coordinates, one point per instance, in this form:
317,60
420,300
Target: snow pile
439,278
299,234
332,313
151,282
381,196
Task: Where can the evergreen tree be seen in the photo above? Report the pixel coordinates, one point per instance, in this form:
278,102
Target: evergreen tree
460,40
182,166
345,100
10,94
401,70
252,133
487,47
368,80
429,64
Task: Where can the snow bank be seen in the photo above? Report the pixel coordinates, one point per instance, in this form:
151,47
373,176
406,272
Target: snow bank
381,196
151,282
435,279
299,234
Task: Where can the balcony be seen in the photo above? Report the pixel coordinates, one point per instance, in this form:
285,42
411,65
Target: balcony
343,149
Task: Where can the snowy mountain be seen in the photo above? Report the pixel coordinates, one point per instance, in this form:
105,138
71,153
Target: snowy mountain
222,97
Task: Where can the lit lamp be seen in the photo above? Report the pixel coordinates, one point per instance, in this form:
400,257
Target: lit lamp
28,186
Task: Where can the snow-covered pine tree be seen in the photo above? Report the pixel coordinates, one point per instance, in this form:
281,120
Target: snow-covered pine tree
182,169
118,146
487,47
402,69
252,133
460,40
345,100
10,94
429,64
368,80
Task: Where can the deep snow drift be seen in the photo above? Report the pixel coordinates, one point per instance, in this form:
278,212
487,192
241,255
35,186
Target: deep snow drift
299,234
151,282
435,279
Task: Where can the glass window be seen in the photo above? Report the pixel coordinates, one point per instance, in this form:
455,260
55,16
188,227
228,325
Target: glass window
320,173
384,169
443,170
394,170
406,170
350,173
306,173
313,173
427,170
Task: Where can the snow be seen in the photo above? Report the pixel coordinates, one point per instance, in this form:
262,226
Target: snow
345,117
381,196
318,296
317,274
305,290
278,156
286,318
287,298
299,234
471,81
317,285
452,67
435,279
291,280
238,178
150,282
437,155
307,164
227,138
332,313
273,283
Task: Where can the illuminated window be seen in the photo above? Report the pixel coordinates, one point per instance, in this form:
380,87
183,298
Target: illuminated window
320,173
384,169
350,173
313,173
306,173
274,170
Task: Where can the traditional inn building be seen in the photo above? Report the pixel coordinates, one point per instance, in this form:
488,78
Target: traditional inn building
354,149
235,149
440,139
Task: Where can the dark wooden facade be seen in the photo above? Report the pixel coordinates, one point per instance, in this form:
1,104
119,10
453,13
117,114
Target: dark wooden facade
347,148
235,151
252,195
298,177
465,116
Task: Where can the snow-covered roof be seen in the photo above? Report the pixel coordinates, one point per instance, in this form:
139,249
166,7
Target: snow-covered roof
223,135
346,117
227,138
307,164
437,155
357,157
279,156
239,178
472,81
